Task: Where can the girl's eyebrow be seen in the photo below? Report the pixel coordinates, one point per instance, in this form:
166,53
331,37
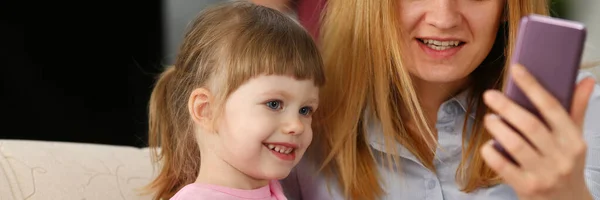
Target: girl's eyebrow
283,93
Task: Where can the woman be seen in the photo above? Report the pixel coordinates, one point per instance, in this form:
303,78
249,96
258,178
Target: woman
405,112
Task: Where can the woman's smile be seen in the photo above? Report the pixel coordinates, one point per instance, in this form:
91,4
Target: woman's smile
440,49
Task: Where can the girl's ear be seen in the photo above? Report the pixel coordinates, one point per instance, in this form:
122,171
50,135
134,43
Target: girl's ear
199,107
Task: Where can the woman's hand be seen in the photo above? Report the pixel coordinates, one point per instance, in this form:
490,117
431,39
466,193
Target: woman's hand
553,168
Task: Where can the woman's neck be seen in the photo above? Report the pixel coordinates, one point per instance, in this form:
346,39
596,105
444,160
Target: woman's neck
432,95
216,171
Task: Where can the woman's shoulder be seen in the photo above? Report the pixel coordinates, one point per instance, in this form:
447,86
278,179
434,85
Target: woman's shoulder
591,133
591,72
302,176
592,117
307,182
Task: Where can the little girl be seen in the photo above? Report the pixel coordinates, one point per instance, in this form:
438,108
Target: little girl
233,115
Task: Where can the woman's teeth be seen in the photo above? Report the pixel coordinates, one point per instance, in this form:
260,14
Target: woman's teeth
280,149
440,45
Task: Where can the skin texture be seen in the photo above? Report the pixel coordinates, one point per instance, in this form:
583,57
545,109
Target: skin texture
553,167
266,109
474,23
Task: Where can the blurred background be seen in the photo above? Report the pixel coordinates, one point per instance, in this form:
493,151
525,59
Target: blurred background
83,72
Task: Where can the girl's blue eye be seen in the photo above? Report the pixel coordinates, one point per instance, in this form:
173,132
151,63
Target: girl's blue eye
275,105
306,111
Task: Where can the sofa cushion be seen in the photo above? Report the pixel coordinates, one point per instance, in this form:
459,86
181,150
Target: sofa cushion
63,170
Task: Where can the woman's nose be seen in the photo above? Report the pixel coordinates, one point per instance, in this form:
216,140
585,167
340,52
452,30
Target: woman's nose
443,14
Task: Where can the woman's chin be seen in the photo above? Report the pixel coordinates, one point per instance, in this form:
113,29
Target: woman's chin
440,77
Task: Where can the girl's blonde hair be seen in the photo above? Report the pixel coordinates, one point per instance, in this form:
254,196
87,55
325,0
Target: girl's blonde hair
361,46
224,47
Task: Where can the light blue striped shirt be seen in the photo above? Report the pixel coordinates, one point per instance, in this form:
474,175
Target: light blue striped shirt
415,182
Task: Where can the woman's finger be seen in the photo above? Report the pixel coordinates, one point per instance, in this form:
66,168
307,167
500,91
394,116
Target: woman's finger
514,144
581,98
535,132
551,110
511,174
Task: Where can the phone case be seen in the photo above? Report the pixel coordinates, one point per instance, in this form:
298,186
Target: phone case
551,50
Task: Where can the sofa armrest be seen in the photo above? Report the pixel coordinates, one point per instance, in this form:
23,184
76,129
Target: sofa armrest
63,170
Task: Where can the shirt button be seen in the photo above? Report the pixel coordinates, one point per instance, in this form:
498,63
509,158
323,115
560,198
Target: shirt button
452,108
431,184
449,129
449,109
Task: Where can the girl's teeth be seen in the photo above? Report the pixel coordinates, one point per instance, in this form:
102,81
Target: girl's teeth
280,149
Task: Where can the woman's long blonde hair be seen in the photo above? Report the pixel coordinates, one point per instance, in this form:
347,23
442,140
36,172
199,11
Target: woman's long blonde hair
363,64
224,47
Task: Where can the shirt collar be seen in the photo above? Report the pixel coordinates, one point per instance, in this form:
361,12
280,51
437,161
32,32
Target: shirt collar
375,134
462,99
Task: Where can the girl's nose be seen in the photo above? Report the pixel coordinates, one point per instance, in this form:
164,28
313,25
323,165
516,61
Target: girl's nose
293,126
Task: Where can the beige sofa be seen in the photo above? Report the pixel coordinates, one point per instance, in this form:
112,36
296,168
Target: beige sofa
72,171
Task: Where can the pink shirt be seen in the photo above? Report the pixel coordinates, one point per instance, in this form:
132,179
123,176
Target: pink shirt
199,191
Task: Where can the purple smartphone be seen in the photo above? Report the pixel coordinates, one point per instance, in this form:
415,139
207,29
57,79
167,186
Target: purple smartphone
550,49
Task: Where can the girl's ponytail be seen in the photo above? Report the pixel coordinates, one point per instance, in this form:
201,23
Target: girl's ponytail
177,155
